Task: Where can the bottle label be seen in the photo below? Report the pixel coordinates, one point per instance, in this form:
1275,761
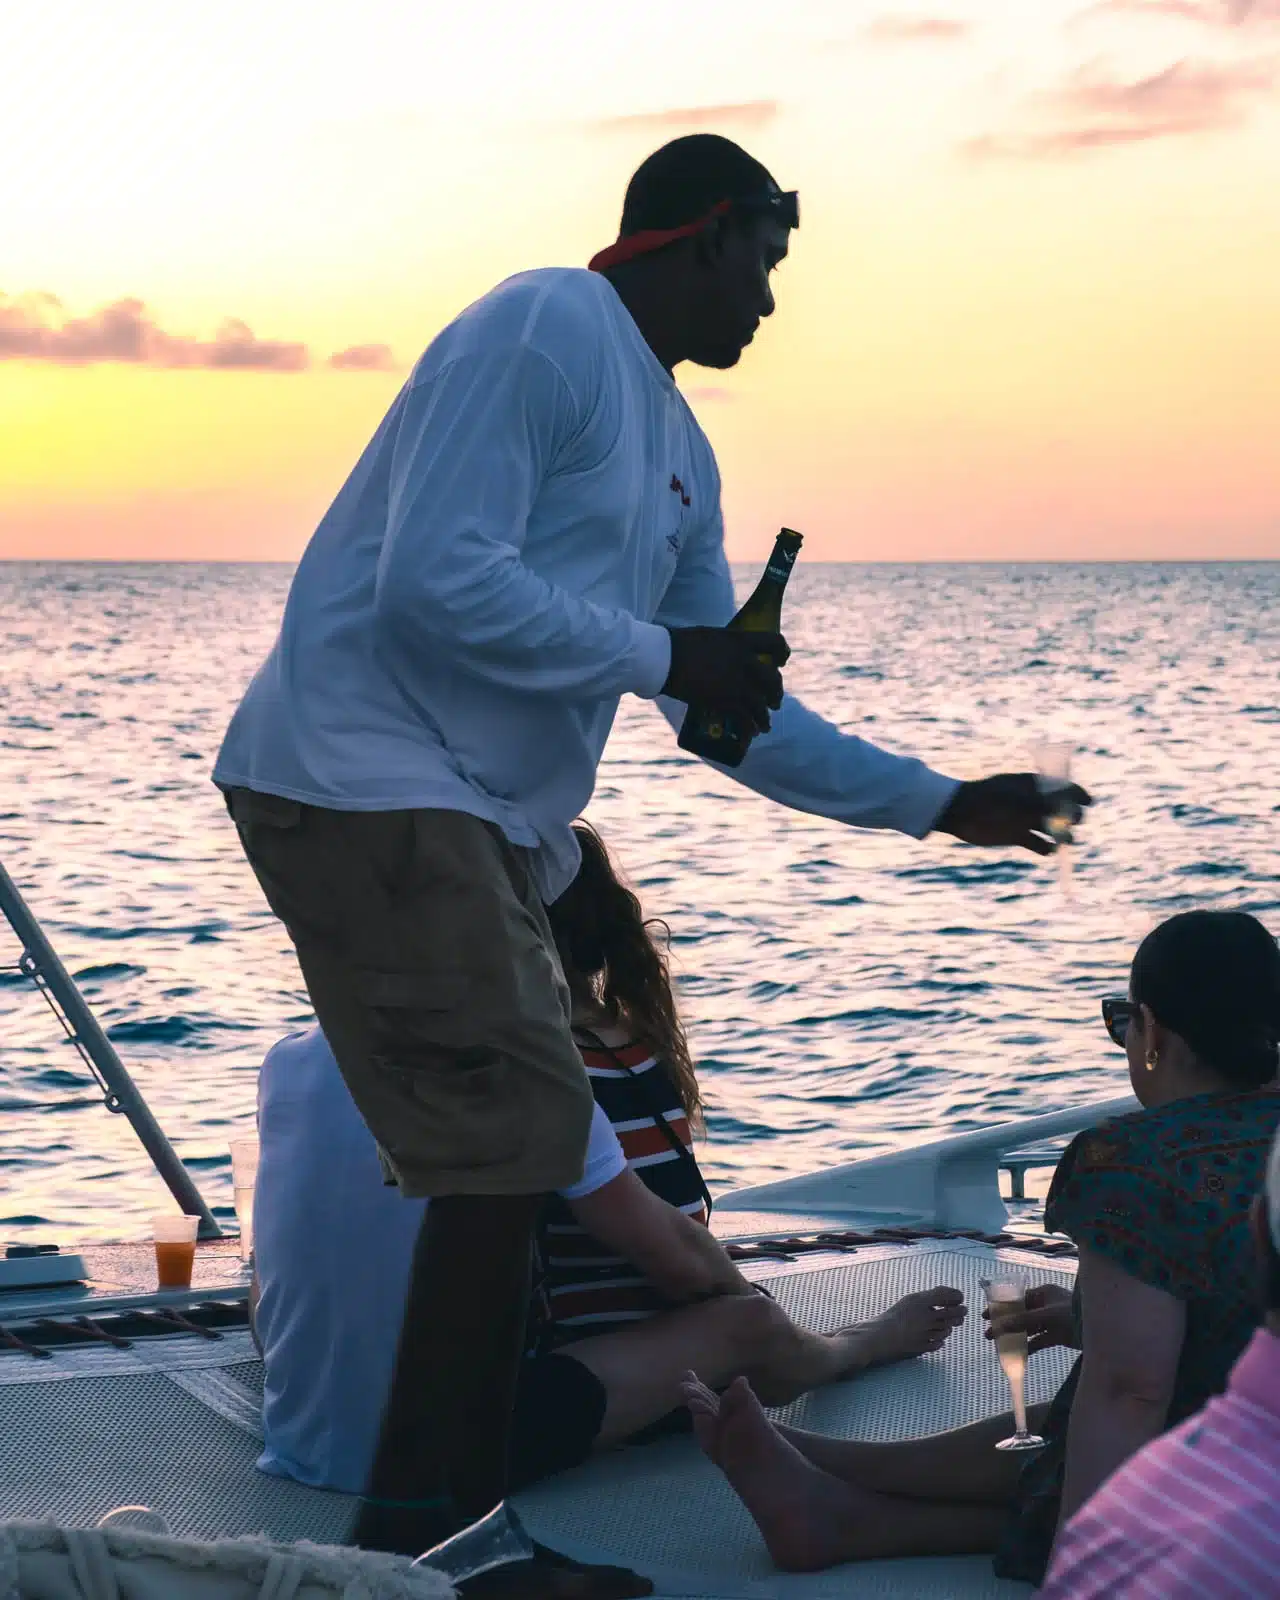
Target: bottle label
711,734
780,565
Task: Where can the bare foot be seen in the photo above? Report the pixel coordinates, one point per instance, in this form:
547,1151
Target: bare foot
803,1514
916,1325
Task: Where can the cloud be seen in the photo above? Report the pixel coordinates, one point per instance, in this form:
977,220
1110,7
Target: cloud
364,358
904,29
747,114
1212,13
1092,111
33,329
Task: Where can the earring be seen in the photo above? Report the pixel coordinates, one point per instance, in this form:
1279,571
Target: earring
1153,1060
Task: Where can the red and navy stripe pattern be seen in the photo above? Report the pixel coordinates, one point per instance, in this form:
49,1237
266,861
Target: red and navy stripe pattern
587,1290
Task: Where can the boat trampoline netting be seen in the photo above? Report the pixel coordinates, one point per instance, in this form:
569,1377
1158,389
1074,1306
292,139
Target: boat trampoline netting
173,1424
667,1512
163,1424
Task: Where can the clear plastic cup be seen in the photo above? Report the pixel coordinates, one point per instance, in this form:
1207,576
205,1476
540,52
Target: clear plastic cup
175,1242
137,1519
498,1540
244,1177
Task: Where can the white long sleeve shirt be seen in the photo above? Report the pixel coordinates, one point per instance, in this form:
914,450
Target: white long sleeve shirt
537,506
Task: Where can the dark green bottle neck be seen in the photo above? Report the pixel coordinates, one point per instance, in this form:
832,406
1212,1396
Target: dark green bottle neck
779,568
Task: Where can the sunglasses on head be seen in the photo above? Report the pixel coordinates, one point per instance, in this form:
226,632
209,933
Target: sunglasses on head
782,205
1117,1012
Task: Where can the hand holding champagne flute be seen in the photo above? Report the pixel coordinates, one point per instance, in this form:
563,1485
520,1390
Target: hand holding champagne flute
1003,1298
1046,1318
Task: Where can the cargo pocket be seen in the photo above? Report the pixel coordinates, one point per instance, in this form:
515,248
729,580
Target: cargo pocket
275,838
448,1101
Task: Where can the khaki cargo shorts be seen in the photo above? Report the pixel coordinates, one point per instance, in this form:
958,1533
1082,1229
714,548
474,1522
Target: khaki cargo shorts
432,969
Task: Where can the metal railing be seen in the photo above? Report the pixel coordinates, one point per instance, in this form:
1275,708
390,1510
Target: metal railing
1017,1163
40,963
947,1183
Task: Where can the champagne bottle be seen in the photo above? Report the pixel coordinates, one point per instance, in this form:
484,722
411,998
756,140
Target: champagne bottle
706,731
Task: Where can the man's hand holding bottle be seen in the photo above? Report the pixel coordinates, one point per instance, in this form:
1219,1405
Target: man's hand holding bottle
738,673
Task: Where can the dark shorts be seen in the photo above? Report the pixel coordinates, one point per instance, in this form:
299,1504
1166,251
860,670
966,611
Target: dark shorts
429,960
559,1412
1026,1543
560,1407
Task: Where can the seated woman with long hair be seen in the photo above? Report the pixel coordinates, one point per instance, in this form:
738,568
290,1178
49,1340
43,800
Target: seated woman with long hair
1157,1203
614,1294
632,1289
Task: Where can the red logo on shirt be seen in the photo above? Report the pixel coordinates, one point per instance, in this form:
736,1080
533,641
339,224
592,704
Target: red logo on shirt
678,488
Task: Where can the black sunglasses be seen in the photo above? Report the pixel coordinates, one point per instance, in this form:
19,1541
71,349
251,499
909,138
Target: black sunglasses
782,205
1117,1012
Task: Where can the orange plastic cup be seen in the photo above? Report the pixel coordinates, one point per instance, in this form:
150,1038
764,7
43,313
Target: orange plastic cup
175,1242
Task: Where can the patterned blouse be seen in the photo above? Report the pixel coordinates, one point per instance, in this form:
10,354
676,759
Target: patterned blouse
1164,1194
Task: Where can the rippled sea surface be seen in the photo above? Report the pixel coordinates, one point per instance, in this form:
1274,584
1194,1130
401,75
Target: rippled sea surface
846,991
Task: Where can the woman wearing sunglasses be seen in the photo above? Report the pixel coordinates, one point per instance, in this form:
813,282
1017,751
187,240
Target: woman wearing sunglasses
1157,1204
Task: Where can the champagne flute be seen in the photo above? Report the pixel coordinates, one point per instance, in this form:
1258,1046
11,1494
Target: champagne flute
498,1540
1004,1296
1053,779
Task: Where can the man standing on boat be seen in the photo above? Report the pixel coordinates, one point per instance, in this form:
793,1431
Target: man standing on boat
533,532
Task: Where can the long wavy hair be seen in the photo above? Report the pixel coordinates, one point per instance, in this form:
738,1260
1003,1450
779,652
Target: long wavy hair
613,962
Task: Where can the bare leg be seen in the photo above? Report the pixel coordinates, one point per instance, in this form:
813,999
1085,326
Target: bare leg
441,1460
642,1368
961,1464
808,1518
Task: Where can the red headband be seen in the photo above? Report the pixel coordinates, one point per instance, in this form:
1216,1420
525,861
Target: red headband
650,239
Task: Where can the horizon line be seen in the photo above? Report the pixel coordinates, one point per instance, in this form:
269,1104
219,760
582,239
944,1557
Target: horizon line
867,561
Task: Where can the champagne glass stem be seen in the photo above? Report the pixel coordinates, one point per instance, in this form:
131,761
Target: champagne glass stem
1017,1388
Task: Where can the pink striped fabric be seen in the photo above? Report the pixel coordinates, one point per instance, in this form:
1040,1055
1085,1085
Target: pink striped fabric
1195,1514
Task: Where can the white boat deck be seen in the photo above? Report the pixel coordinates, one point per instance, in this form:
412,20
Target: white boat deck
173,1422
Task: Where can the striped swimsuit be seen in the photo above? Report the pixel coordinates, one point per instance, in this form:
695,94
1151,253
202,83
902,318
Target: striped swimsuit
586,1290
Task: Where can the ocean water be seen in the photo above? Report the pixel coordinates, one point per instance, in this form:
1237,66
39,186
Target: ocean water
846,991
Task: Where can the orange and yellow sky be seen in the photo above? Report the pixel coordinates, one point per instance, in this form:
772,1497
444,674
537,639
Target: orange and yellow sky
1033,310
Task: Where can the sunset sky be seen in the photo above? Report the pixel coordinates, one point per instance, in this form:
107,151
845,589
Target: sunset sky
1033,310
